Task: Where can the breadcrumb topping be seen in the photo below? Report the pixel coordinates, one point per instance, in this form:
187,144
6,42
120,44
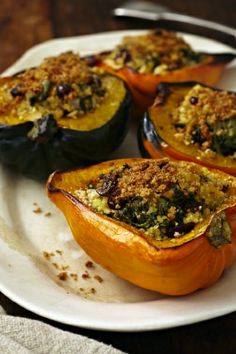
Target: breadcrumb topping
207,118
157,52
62,85
163,198
66,67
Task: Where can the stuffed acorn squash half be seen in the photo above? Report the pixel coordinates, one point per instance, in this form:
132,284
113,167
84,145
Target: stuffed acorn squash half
59,115
144,61
192,122
163,225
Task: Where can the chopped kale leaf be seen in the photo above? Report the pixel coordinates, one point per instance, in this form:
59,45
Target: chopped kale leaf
135,213
224,137
197,135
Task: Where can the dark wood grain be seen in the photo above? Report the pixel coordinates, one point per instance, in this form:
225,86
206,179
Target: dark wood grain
26,23
216,336
22,24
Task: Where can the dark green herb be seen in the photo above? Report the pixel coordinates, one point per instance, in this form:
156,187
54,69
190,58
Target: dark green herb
16,91
45,91
163,206
179,198
76,104
41,96
224,137
190,55
135,213
197,135
219,232
33,98
86,103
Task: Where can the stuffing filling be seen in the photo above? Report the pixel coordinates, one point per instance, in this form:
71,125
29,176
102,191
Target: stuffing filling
63,86
158,52
162,198
206,118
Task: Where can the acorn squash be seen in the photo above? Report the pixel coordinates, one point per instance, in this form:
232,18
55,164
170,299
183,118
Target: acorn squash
163,225
144,61
191,122
59,115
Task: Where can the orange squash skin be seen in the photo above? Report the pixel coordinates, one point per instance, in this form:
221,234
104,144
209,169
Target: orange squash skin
143,86
115,246
167,151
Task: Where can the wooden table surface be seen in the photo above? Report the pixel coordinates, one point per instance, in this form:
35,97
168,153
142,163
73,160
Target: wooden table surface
25,23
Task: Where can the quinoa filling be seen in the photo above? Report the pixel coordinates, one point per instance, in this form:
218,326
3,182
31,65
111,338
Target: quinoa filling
206,118
63,86
161,198
158,52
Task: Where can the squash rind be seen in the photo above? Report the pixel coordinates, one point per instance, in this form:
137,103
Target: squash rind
175,271
64,148
153,144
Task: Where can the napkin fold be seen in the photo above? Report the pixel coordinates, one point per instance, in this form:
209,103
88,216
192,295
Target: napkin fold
24,336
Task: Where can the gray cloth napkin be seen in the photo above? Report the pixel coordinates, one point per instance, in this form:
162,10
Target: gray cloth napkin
23,336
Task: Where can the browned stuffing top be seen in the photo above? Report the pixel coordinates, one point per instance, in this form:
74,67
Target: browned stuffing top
66,67
62,85
163,198
147,180
207,118
156,52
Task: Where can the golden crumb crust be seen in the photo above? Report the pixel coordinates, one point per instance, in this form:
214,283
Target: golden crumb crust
163,198
205,117
157,52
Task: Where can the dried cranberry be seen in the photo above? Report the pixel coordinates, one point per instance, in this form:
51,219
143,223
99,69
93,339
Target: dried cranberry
193,205
116,203
180,229
111,202
193,100
225,188
108,185
16,91
62,90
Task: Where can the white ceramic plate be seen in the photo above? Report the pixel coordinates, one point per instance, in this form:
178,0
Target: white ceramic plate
37,251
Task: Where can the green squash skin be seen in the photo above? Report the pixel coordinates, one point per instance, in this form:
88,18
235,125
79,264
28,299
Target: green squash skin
146,131
61,148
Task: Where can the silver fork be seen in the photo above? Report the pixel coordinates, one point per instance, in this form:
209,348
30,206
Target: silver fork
154,12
